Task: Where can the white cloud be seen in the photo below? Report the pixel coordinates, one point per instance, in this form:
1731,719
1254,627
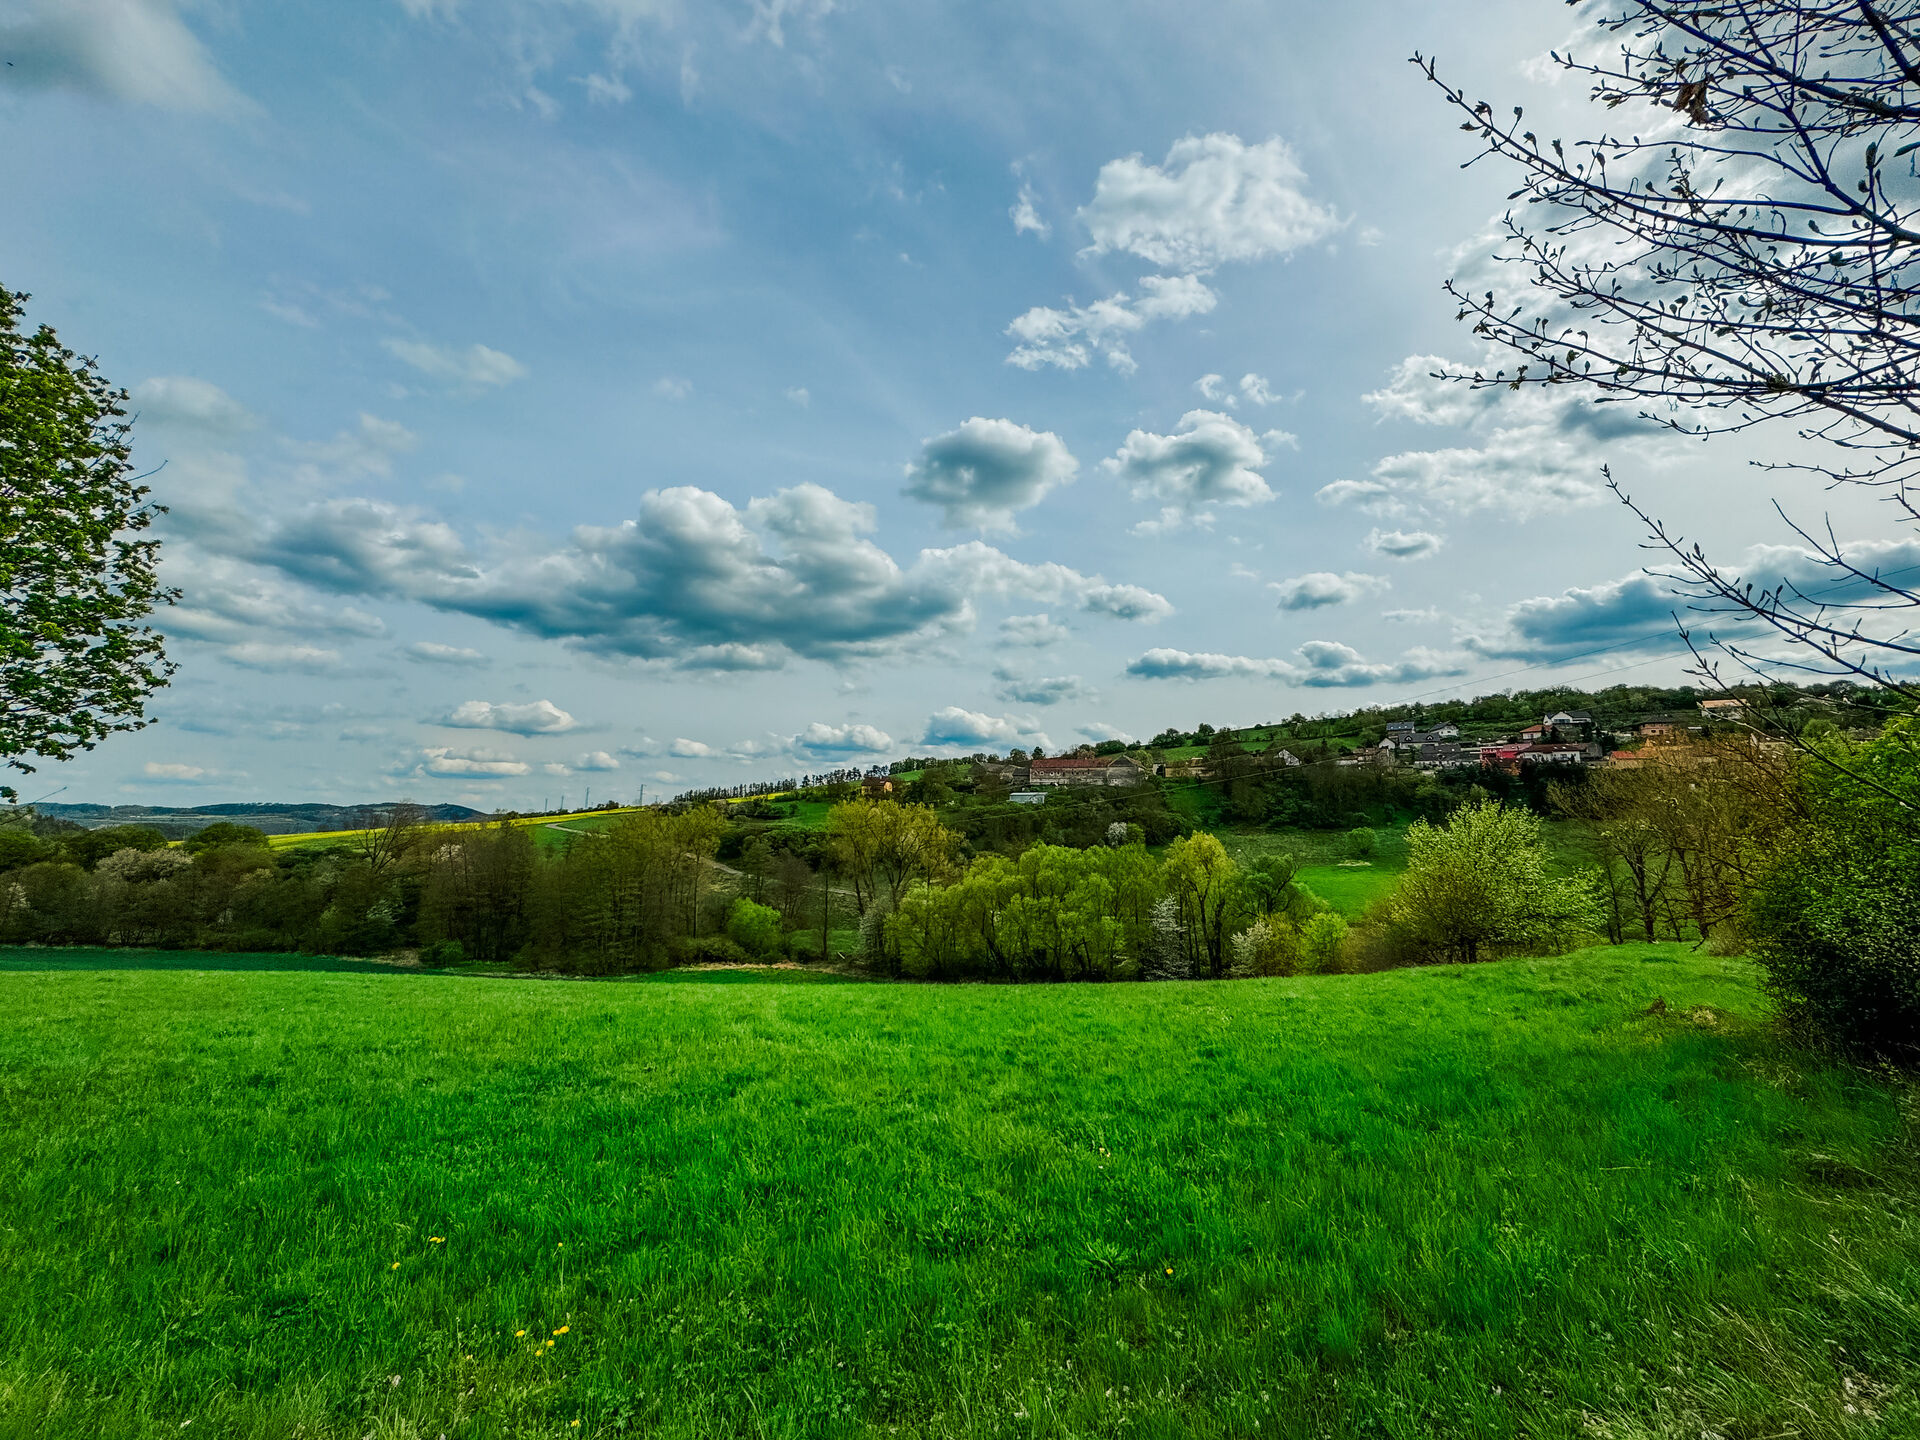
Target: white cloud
432,652
189,402
1167,664
693,580
1046,690
1215,199
1254,389
800,396
136,52
477,367
1032,630
1210,459
441,762
354,454
1025,216
538,717
1321,664
1098,731
228,602
984,472
1404,544
952,725
596,760
1323,587
1069,339
605,89
684,749
824,740
169,770
1369,495
1257,391
263,655
672,387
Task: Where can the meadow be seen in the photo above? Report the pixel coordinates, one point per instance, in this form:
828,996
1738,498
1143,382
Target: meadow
1489,1201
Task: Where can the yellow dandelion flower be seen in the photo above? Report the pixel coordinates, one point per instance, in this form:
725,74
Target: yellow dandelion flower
436,1239
576,1425
1169,1269
394,1266
563,1330
518,1333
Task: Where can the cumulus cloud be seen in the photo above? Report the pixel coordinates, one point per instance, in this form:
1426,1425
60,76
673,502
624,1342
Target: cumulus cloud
684,749
1032,630
227,602
825,740
189,402
538,717
442,762
1098,731
432,652
955,726
477,367
264,655
1633,612
1069,339
173,770
1531,451
1320,664
135,52
1404,544
1323,587
672,387
1372,496
1046,690
1213,200
984,472
596,760
1210,459
1254,389
1026,216
693,580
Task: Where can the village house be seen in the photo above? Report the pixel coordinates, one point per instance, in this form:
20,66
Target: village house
1568,719
876,787
1086,770
1724,709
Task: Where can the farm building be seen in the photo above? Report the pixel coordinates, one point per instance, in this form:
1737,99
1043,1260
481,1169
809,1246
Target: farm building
1086,770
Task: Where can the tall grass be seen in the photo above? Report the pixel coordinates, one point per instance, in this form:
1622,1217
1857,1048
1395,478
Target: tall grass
1484,1202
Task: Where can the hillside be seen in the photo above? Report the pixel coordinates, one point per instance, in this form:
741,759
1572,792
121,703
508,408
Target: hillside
274,818
1484,1202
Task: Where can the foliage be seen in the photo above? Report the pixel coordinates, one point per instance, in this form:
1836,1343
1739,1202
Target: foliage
1362,842
77,580
1835,923
1427,1203
1323,942
1479,886
754,928
224,832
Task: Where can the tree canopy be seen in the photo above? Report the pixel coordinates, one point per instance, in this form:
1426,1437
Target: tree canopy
77,573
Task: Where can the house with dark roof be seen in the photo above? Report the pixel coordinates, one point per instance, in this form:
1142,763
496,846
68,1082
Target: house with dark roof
1086,770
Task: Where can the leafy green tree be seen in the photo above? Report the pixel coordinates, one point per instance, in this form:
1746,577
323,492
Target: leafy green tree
77,578
754,928
1362,842
1204,879
19,846
1478,885
224,832
1323,942
90,847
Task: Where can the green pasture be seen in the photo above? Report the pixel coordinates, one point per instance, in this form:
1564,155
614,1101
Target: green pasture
1492,1201
540,824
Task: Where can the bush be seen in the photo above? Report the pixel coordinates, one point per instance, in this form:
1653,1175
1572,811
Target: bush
1835,923
442,953
223,832
754,928
1323,943
1266,947
707,950
1362,842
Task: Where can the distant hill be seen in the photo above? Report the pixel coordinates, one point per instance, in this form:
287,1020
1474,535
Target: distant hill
275,819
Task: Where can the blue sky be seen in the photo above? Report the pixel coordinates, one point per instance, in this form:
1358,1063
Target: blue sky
568,393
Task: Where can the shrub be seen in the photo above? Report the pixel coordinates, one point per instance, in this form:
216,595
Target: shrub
1266,947
1362,842
706,950
1478,886
1323,943
442,953
754,928
1835,922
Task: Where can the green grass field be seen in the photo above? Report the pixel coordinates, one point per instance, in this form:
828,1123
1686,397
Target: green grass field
1492,1202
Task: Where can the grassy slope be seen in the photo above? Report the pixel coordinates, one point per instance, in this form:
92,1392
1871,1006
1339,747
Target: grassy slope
1426,1203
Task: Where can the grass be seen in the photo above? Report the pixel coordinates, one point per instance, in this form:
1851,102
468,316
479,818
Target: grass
1491,1201
580,820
